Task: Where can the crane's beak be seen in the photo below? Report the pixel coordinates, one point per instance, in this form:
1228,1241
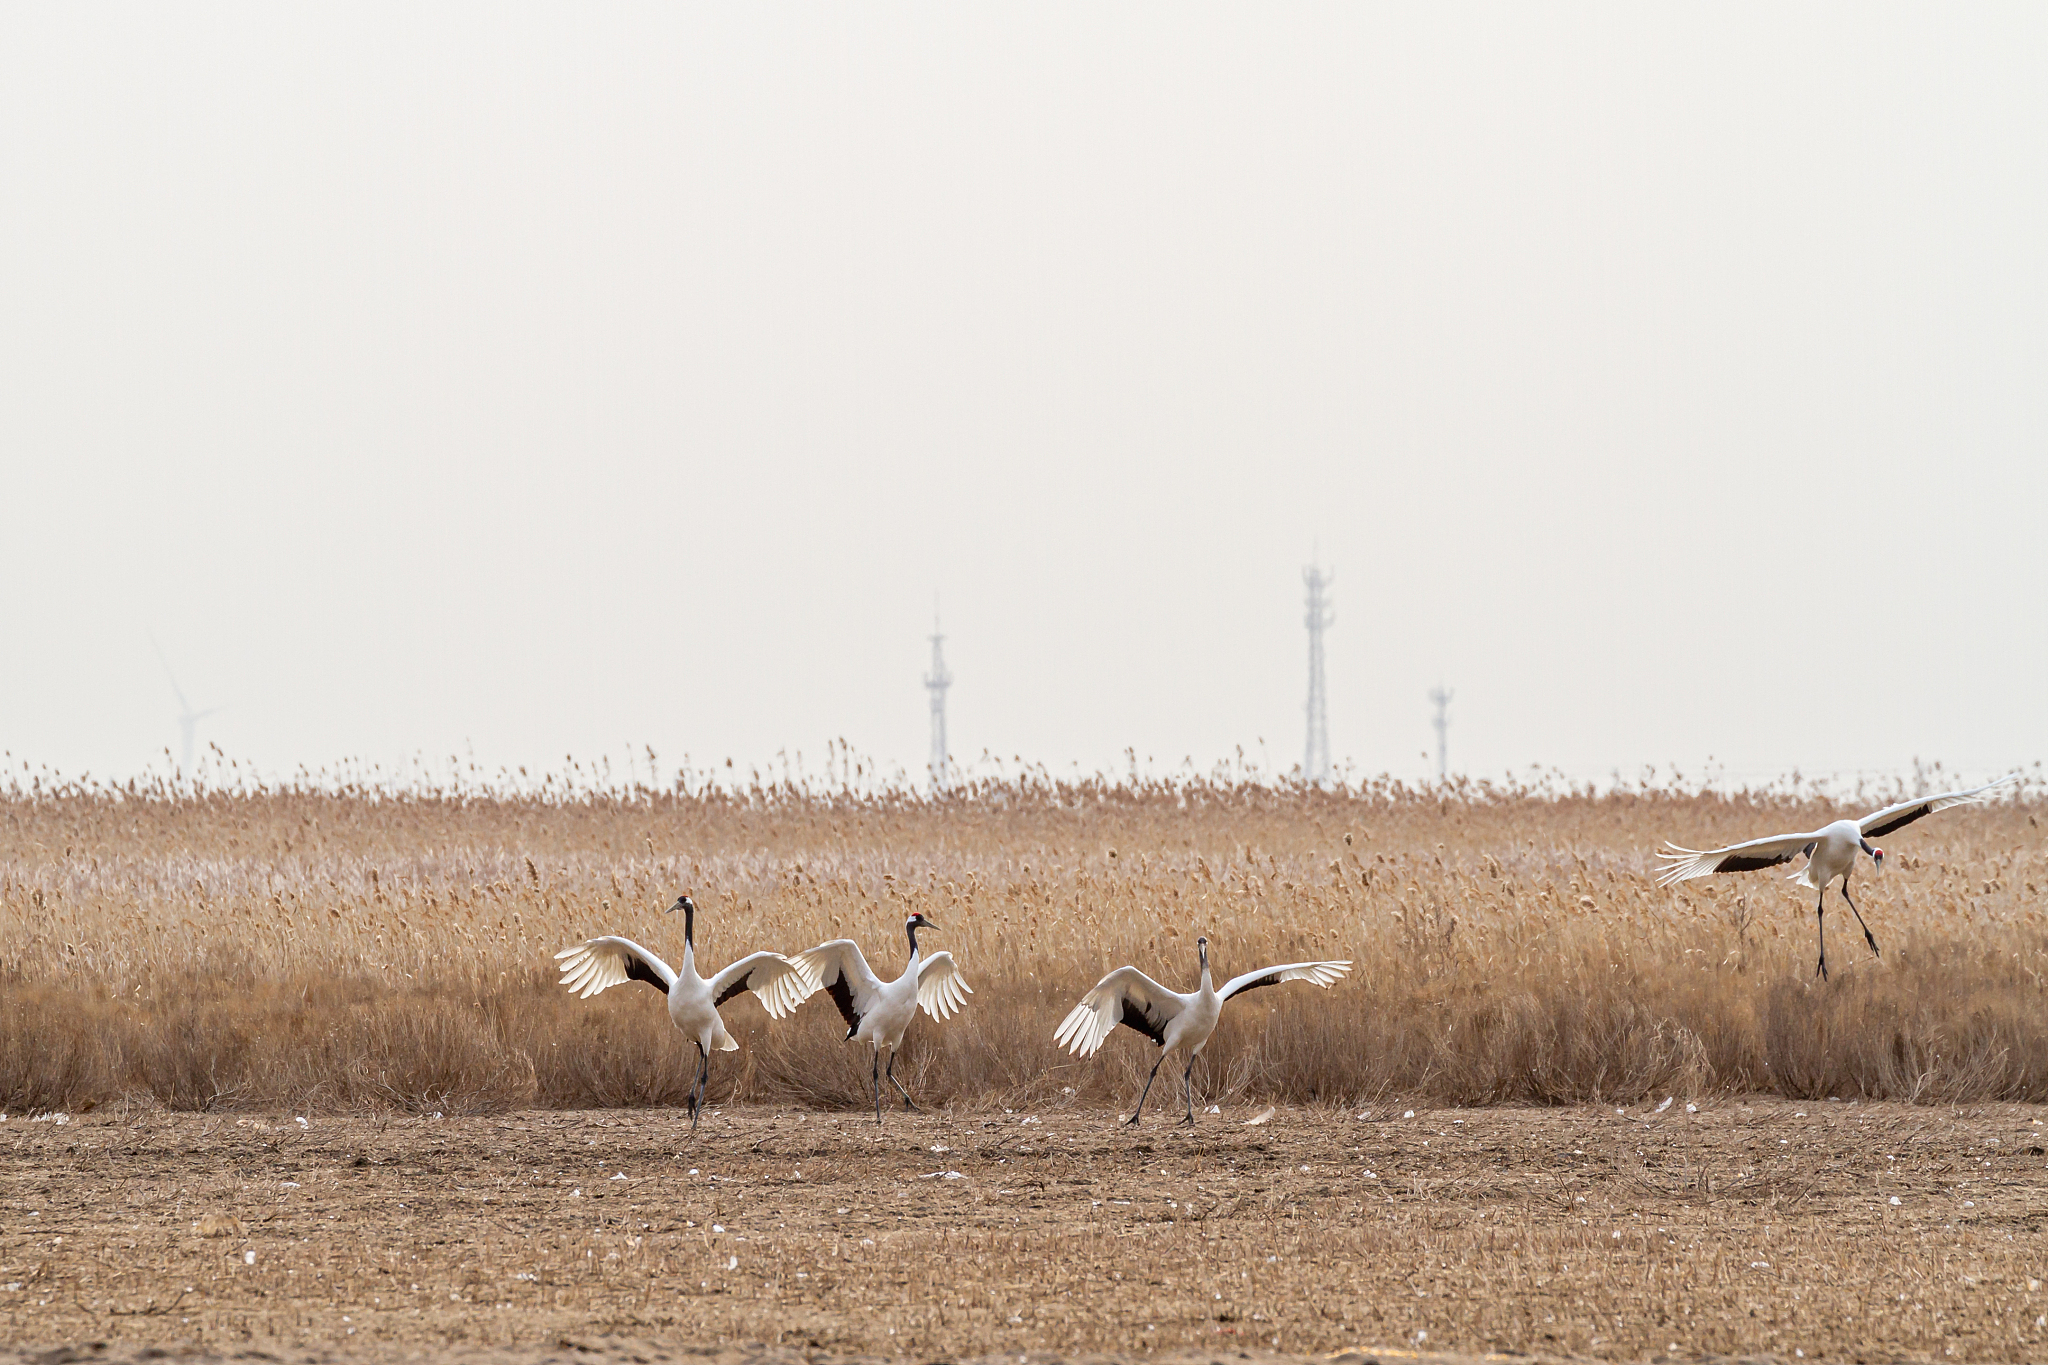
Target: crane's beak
929,922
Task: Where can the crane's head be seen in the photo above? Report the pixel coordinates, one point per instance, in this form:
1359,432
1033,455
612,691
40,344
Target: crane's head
683,902
1876,854
917,920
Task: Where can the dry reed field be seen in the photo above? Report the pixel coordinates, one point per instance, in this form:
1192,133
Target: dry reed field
287,1071
356,948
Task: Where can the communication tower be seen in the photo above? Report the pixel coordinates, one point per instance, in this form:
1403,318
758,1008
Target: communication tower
1315,762
1441,695
936,682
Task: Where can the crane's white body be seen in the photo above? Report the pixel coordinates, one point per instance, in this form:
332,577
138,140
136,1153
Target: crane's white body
1834,855
1830,852
879,1012
600,963
1172,1019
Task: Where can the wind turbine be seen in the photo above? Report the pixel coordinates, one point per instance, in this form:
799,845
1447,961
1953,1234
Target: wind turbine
188,719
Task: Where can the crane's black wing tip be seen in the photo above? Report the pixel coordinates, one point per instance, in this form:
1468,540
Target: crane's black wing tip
841,991
636,970
1134,1016
745,983
1751,863
1271,978
1900,821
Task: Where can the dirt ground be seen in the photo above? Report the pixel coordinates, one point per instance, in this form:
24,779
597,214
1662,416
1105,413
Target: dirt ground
1836,1230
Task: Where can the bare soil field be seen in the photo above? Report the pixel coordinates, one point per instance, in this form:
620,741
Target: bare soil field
1840,1230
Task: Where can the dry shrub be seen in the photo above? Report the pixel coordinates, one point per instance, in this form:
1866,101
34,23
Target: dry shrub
366,947
51,1054
190,1053
614,1050
999,1050
420,1051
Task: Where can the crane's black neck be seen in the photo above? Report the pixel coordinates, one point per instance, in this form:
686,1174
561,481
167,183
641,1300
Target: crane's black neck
910,930
689,923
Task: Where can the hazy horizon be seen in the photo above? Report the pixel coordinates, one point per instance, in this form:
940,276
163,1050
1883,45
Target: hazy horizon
526,383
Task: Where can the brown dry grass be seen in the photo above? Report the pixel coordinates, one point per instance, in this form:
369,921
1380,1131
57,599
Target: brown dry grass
1752,1227
363,948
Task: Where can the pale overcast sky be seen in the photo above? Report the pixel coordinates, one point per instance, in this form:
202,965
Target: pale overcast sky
1669,381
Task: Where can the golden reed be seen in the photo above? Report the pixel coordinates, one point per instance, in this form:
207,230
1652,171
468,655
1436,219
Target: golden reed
349,945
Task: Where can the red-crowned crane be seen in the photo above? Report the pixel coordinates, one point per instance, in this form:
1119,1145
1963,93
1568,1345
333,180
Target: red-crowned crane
1170,1019
876,1011
1830,853
599,963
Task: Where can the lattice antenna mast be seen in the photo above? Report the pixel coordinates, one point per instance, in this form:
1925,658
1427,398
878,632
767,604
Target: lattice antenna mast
936,682
1441,695
1315,762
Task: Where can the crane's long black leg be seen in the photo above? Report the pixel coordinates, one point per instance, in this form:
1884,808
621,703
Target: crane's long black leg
891,1074
1820,918
697,1090
1187,1088
878,1084
1868,937
1146,1091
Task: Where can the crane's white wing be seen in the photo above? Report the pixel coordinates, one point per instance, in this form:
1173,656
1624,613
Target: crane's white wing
1877,824
838,969
1125,996
600,963
1315,973
782,995
763,974
1683,864
941,990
